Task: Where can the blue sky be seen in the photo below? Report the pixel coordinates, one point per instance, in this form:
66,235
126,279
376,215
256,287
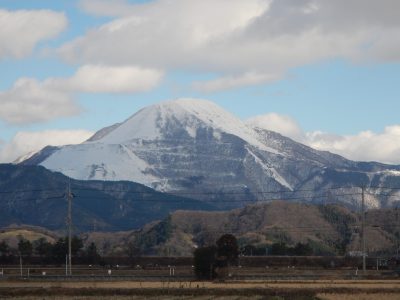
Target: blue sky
313,71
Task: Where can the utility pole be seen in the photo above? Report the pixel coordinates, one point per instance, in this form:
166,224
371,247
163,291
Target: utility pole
20,264
397,233
363,230
69,223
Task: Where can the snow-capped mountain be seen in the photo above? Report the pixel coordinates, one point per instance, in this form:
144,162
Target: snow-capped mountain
195,148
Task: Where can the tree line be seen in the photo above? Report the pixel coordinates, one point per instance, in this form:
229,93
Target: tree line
213,262
49,253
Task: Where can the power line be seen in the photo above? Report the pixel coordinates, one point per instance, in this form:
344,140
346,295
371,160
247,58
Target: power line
215,199
185,200
69,221
218,193
183,192
211,193
30,191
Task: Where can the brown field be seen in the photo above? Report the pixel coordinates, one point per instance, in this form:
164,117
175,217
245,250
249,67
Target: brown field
365,285
162,272
361,296
274,290
383,296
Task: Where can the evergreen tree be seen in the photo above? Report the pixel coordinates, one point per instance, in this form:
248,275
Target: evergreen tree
25,247
60,250
91,254
204,260
4,248
43,249
227,249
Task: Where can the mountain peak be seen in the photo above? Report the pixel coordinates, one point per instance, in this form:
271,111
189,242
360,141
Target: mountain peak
189,103
156,122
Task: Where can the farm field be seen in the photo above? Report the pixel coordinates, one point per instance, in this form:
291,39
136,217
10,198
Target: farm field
34,282
282,289
186,273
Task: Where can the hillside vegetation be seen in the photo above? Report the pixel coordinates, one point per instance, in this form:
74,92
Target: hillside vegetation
326,229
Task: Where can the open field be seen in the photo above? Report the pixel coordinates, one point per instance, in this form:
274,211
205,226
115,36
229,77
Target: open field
361,296
383,296
156,282
307,289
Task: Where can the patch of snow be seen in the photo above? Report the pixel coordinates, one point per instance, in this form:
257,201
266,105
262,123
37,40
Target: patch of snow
270,170
97,161
372,201
191,131
389,172
217,135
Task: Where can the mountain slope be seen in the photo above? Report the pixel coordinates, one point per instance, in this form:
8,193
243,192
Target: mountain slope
329,229
195,147
35,196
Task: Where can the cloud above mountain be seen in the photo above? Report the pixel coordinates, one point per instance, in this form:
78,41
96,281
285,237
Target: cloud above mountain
31,101
363,146
108,79
199,47
22,30
28,142
234,38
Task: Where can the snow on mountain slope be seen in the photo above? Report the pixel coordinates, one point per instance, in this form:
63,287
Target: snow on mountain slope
195,147
271,171
103,132
151,122
169,146
99,161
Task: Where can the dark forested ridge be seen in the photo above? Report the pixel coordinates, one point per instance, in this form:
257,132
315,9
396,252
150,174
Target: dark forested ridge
33,195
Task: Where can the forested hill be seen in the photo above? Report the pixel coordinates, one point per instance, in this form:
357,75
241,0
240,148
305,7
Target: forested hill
33,195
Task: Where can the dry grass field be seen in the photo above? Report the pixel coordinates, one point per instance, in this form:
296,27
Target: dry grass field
274,290
384,296
361,296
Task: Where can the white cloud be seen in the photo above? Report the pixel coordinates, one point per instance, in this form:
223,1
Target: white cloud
28,142
232,37
21,30
109,79
224,83
106,7
364,146
30,101
166,34
283,124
